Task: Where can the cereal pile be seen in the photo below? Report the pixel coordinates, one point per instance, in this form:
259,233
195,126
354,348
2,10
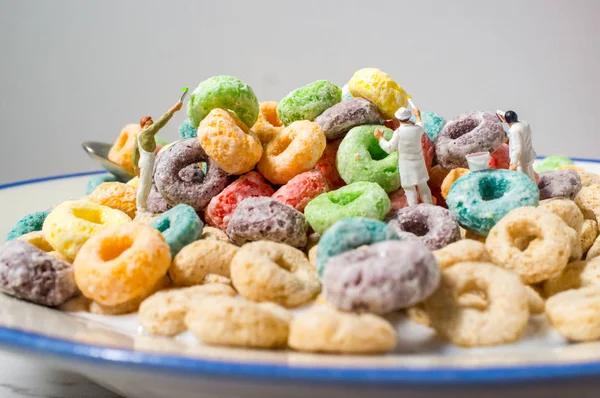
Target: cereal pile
261,208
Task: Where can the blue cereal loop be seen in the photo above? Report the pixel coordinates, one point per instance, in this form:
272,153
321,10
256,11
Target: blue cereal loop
30,223
99,180
180,226
186,130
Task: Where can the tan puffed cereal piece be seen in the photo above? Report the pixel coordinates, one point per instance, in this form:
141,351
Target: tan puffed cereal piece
134,183
211,233
36,238
312,255
131,305
270,271
145,217
461,251
417,314
478,304
235,322
586,177
589,233
473,236
572,216
594,250
575,275
325,329
531,242
214,278
575,313
536,302
201,258
163,313
588,200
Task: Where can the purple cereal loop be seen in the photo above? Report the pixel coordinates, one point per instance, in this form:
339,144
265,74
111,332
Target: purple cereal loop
179,181
559,184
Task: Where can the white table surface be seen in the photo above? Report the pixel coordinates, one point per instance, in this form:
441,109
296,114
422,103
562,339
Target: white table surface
21,377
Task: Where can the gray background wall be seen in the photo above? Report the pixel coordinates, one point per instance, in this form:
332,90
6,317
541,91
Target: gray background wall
77,70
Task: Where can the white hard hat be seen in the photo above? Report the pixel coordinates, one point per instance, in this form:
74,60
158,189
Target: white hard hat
403,114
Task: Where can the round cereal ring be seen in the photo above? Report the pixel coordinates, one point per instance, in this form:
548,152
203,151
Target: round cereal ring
268,124
179,226
470,132
530,242
224,92
435,226
588,201
264,218
536,302
340,118
465,250
454,175
303,188
30,223
232,322
559,184
199,259
379,88
479,200
575,275
294,150
163,313
594,250
122,150
359,158
134,183
308,102
433,122
324,329
228,142
210,233
552,163
72,223
115,195
586,177
30,274
478,304
359,199
95,181
589,233
575,314
176,188
572,216
186,130
36,238
121,263
326,165
373,280
312,255
130,306
221,207
269,271
348,234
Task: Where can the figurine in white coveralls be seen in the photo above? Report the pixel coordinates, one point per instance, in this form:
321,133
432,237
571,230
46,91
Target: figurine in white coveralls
520,145
411,163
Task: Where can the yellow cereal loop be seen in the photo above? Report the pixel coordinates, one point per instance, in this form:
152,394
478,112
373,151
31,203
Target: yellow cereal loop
228,142
72,223
379,88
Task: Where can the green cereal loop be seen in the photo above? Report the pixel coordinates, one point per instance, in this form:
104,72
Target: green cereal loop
552,163
308,102
225,92
360,158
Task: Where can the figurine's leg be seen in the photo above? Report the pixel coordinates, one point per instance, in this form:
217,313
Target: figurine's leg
527,169
425,193
144,189
412,197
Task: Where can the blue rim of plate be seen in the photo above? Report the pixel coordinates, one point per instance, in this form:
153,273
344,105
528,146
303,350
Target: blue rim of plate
106,356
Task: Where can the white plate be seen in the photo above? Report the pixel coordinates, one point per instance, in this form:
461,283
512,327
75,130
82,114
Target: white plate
115,353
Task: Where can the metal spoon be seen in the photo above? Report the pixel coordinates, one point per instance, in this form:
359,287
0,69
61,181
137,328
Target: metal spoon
99,152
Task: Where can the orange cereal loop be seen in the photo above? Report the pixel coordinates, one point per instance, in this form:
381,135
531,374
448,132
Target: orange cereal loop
36,238
115,195
229,142
294,150
121,152
454,175
268,124
121,263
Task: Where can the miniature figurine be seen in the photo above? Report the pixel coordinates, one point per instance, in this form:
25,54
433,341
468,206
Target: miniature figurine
411,163
520,144
143,157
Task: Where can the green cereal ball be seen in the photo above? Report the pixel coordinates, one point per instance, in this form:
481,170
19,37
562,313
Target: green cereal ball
308,102
552,163
360,199
360,158
225,92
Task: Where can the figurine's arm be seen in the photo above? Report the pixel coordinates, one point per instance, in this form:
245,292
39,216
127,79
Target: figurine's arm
515,146
391,145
